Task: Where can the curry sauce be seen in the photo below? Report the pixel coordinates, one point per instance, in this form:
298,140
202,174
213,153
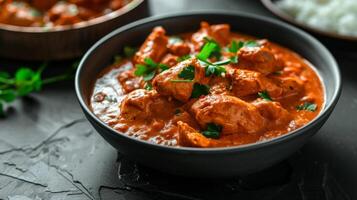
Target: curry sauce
210,88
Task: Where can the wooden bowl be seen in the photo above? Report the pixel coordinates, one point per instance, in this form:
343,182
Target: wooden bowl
64,42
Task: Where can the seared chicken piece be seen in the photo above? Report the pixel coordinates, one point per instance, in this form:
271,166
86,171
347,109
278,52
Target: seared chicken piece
273,111
179,48
233,114
154,47
220,33
129,81
246,82
146,105
169,60
189,137
259,58
166,82
292,86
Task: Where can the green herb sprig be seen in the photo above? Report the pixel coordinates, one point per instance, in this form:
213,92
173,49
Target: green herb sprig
149,69
213,131
265,95
307,106
25,81
199,90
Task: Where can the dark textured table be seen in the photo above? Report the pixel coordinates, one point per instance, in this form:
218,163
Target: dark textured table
49,151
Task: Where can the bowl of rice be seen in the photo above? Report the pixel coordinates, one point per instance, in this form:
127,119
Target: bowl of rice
329,19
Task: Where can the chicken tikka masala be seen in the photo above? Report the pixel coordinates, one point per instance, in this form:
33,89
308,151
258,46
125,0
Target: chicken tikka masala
49,13
210,88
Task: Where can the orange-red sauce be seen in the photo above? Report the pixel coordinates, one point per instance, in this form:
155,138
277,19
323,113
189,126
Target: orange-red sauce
157,117
49,13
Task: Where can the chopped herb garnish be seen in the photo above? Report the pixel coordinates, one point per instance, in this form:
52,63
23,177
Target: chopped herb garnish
148,70
210,49
214,70
163,67
234,59
222,62
278,73
213,131
199,90
207,50
265,95
182,58
149,76
235,46
177,111
129,51
148,86
187,73
181,81
307,106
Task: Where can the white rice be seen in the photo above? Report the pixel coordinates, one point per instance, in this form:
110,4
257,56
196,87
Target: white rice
338,16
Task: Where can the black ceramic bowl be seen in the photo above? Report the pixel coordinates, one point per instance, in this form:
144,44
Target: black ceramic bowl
212,162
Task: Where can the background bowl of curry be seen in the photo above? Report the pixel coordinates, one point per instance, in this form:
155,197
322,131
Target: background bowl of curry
68,41
209,162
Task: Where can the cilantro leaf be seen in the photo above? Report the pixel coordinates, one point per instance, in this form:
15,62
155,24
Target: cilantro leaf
163,67
149,76
24,82
307,106
199,90
182,58
187,73
148,86
234,59
140,70
235,46
213,131
27,80
207,50
7,95
214,70
149,68
265,95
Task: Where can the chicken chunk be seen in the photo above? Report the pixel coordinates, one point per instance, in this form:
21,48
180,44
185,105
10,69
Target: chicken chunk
188,136
169,60
220,33
154,47
273,111
246,82
292,86
181,91
233,114
145,105
179,48
259,58
129,81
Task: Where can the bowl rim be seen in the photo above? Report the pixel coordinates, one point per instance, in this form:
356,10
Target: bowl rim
84,24
246,147
271,6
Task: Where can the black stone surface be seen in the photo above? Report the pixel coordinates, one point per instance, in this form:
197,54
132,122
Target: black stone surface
49,151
